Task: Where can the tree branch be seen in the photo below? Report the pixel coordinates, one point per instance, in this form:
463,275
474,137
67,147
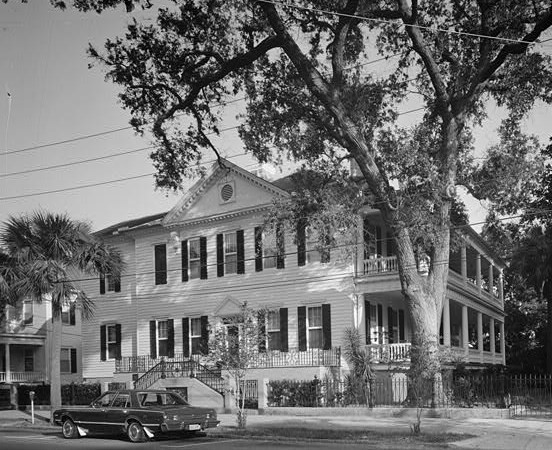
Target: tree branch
340,38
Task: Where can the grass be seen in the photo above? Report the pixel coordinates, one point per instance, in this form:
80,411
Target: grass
376,439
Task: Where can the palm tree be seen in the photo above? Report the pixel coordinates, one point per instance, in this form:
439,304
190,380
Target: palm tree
42,256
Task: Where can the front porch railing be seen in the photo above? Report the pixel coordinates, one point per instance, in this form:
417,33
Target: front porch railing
381,265
389,352
22,377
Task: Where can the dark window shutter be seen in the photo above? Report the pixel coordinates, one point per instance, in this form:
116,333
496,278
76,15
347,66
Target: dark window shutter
204,335
160,253
103,343
203,258
170,343
72,310
153,339
186,337
390,244
220,255
326,327
184,255
118,340
258,249
262,331
378,241
280,247
302,327
102,283
241,251
73,360
301,244
367,321
401,325
284,329
390,325
117,283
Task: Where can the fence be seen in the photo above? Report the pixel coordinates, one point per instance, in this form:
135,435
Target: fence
525,395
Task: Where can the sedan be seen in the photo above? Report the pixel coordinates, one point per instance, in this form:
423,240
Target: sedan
140,414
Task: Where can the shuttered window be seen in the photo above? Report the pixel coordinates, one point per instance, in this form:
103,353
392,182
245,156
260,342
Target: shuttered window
160,256
162,338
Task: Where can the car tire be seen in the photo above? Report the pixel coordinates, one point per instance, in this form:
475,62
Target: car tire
136,433
69,429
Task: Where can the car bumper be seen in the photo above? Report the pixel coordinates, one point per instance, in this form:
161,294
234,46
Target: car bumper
185,426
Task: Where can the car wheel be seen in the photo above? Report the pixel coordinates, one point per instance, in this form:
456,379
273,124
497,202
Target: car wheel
135,432
69,429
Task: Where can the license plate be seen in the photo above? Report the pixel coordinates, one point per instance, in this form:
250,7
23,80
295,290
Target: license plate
193,427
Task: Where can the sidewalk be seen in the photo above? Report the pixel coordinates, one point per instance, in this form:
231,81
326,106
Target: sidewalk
490,434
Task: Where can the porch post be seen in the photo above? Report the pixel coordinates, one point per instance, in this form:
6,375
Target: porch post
465,330
491,278
8,363
492,335
502,343
446,322
480,333
478,271
464,262
501,286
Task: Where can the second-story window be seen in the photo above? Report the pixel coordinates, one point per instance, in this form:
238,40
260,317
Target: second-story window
273,330
230,253
160,256
194,258
314,327
68,313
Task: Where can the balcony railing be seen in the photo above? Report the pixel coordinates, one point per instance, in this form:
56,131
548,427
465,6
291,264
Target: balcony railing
384,264
22,377
313,357
383,353
293,358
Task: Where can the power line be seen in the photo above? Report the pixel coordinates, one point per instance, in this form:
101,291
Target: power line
392,22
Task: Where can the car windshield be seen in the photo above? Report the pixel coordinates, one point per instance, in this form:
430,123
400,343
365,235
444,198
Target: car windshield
160,399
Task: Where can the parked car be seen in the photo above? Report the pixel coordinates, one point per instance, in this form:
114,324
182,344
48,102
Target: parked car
140,414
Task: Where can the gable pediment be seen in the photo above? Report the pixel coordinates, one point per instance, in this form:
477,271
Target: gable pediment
221,192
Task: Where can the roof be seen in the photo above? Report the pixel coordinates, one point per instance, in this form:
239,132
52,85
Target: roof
153,219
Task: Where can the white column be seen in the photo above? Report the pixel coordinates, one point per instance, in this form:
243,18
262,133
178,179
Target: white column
501,286
502,343
491,279
492,335
465,330
480,332
446,322
464,262
478,271
8,363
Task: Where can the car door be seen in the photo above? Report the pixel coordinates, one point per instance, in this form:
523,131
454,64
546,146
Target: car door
117,412
94,418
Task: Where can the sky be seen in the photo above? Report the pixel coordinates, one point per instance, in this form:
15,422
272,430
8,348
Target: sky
54,111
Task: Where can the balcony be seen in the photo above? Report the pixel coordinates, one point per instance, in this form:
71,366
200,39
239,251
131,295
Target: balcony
22,377
385,353
385,264
294,358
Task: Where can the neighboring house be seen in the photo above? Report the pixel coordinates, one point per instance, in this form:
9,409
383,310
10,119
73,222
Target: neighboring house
191,268
26,343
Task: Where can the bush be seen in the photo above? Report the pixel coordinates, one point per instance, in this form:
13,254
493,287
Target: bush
71,394
295,393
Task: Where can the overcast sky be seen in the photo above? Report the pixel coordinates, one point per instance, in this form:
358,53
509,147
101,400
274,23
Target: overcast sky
54,97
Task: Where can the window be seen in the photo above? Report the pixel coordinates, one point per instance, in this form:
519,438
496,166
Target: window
195,335
68,313
194,258
162,337
29,360
230,253
314,327
160,255
112,342
68,360
273,330
121,401
269,250
111,283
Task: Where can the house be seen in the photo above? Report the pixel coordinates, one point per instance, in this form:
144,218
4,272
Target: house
193,266
26,344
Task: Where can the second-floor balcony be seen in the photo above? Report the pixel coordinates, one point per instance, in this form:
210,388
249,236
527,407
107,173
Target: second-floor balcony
22,377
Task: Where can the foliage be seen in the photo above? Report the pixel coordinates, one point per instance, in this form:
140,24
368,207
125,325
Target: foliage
359,380
295,393
312,96
234,347
71,394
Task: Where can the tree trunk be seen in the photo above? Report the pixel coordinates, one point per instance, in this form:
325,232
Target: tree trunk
55,372
547,293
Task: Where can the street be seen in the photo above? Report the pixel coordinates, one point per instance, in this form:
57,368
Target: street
41,440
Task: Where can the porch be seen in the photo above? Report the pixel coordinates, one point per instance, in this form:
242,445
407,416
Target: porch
22,377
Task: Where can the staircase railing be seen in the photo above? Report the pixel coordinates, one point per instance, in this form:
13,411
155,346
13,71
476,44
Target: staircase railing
177,369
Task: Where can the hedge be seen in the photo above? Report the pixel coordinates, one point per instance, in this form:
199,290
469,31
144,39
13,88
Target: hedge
71,394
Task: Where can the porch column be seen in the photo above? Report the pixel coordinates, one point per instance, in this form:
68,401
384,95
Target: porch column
446,322
465,330
502,343
491,279
480,332
8,363
478,271
464,262
501,286
492,335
